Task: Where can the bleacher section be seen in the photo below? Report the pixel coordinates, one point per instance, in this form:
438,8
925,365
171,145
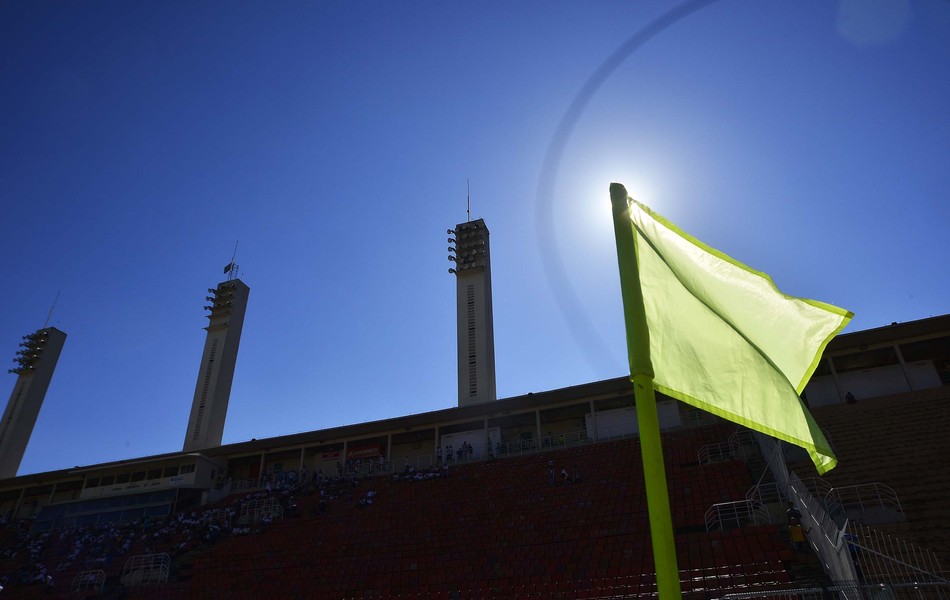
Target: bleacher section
500,529
497,529
69,554
902,442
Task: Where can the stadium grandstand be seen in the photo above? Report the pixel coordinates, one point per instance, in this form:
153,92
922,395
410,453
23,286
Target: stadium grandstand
535,496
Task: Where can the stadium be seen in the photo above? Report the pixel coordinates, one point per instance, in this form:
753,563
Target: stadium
362,446
535,496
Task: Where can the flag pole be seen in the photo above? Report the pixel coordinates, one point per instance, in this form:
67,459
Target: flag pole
641,374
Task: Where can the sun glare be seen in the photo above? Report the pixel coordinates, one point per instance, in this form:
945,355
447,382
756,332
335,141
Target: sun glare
590,198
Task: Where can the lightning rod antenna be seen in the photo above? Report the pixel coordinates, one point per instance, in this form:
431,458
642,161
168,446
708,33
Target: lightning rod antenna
468,199
50,314
232,268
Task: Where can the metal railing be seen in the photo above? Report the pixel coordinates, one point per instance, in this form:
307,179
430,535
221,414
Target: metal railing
853,500
843,591
765,493
817,486
744,443
732,449
883,558
714,453
732,515
696,586
256,511
146,569
88,581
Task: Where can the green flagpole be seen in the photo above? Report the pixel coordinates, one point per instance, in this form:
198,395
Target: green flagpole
641,374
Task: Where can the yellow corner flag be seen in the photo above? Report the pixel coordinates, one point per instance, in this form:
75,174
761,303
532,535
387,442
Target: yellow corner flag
722,337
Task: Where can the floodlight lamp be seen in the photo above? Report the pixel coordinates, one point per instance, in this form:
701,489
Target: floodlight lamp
452,258
452,241
453,271
450,231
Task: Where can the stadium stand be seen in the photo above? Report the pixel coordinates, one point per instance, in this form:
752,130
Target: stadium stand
901,441
559,514
494,528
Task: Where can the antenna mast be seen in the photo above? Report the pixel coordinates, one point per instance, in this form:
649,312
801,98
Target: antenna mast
468,200
232,269
50,314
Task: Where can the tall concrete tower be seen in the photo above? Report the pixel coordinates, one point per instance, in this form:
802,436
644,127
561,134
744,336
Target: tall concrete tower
213,389
35,361
476,338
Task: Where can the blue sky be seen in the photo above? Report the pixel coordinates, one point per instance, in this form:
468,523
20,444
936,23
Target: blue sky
140,140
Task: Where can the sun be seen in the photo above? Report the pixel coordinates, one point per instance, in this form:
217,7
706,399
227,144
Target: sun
586,196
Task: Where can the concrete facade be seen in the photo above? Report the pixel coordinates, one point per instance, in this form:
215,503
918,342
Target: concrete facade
213,388
36,362
475,338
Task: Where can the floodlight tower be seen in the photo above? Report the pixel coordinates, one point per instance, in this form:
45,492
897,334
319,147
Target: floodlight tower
209,408
35,362
476,339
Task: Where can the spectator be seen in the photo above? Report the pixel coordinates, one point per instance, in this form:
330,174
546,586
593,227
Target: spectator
797,534
792,513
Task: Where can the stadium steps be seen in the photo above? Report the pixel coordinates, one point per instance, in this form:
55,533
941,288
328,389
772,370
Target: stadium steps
806,571
901,441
